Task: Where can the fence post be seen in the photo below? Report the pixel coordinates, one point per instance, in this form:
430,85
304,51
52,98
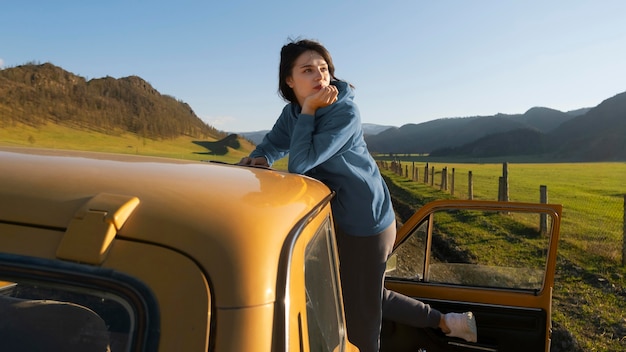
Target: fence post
505,183
432,176
543,218
470,186
426,173
406,171
452,183
624,241
442,185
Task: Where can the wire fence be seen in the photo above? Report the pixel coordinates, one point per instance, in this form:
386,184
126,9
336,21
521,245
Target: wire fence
601,232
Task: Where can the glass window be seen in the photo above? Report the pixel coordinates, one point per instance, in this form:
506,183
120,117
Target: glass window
324,307
459,249
409,257
57,310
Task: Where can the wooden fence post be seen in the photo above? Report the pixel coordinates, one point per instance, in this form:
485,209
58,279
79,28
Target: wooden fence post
543,218
452,183
470,186
503,190
442,185
426,173
624,241
432,176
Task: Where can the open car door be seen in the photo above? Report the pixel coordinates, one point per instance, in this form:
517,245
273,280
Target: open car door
495,259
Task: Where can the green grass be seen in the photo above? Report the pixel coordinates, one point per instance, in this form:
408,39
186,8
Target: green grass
592,195
61,137
590,290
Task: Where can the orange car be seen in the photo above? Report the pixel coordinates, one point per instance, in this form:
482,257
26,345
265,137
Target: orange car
126,253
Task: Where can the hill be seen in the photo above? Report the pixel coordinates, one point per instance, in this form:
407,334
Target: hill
255,137
596,135
450,133
524,141
587,134
600,134
37,94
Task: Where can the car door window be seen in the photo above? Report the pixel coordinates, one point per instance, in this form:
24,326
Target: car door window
71,307
457,246
326,328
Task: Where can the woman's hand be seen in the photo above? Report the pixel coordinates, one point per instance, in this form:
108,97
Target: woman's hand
323,98
258,161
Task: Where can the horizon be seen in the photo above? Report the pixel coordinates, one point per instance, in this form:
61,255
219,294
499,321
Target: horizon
411,62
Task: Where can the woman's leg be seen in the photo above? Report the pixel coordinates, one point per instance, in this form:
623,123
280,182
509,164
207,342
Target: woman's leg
362,261
402,309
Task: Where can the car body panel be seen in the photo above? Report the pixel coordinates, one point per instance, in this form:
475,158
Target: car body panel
54,200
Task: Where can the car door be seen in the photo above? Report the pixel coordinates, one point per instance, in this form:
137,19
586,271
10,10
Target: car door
496,259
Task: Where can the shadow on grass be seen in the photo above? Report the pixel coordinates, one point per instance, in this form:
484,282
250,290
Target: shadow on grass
219,147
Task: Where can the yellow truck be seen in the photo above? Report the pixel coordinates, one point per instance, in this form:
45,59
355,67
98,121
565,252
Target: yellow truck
107,252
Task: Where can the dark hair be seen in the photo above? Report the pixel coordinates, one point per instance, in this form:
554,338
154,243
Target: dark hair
288,55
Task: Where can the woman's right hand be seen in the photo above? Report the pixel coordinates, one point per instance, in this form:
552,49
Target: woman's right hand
258,161
321,99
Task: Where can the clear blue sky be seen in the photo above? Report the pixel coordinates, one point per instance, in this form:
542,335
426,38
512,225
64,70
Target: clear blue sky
411,61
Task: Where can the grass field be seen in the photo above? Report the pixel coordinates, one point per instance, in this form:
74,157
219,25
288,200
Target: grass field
61,137
590,292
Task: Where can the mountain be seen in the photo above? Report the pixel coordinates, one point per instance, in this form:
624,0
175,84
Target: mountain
545,119
524,141
370,129
591,134
255,137
425,137
600,134
37,94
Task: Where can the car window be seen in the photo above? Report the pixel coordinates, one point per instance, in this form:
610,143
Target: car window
323,300
456,247
54,309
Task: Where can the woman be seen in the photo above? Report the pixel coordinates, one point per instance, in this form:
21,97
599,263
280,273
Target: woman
320,129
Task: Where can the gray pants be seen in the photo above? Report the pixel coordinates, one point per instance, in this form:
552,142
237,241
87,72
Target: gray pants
362,261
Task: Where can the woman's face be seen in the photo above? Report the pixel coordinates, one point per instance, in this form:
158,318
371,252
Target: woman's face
308,75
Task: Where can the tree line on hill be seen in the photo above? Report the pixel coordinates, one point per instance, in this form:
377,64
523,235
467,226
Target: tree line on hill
37,94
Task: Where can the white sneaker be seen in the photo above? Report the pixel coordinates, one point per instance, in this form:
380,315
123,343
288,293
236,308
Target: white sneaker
461,325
